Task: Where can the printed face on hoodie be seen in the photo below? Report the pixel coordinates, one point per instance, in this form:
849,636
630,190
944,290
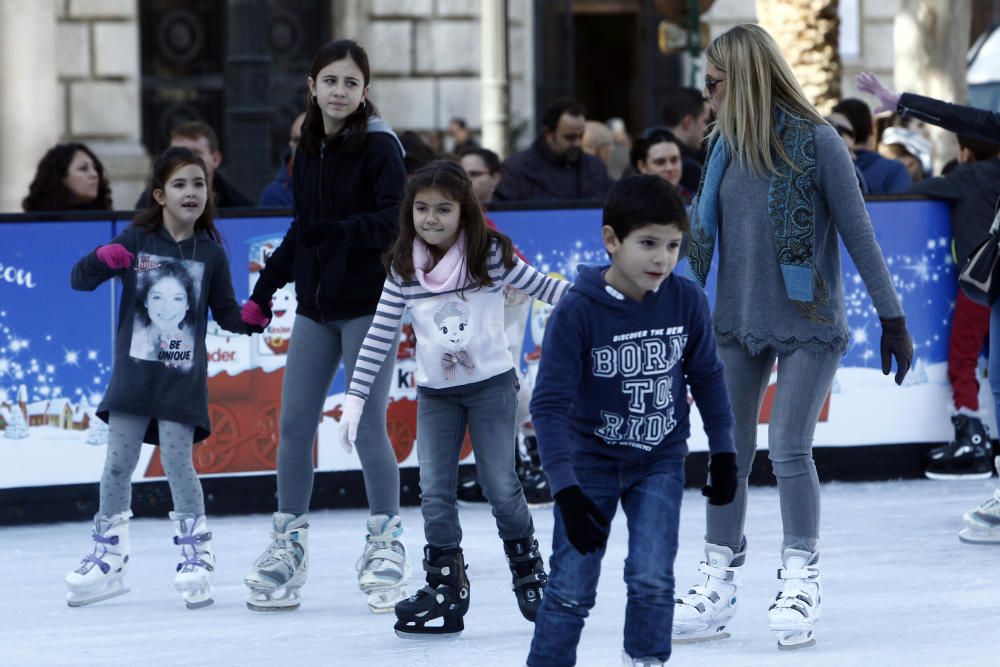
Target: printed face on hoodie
642,260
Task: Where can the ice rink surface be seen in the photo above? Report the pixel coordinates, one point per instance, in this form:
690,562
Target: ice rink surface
900,589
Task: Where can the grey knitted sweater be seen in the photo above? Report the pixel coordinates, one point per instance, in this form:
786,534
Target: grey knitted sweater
751,305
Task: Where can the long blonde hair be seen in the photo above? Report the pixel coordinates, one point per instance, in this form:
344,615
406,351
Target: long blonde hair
758,80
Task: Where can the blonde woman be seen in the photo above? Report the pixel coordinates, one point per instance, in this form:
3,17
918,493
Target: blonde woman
777,190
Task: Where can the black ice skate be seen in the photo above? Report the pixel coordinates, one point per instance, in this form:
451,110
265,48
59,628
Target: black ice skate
536,487
469,491
968,456
446,596
528,574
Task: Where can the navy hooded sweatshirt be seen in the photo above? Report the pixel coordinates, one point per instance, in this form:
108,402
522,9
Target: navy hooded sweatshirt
613,380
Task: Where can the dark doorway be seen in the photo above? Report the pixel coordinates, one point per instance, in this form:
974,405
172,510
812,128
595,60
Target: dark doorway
607,59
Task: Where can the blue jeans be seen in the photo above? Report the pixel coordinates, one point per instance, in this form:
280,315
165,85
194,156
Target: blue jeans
489,411
652,504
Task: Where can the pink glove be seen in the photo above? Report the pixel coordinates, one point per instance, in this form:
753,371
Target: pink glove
869,83
115,255
349,419
254,315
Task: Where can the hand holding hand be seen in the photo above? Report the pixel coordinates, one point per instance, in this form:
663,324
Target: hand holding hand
115,256
869,83
896,342
254,315
349,420
586,527
721,487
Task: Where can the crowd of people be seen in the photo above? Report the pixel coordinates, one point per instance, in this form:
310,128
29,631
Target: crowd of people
384,224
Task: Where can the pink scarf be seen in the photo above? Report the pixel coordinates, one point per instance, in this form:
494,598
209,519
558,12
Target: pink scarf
448,274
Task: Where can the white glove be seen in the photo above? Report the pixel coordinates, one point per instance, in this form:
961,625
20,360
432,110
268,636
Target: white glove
349,419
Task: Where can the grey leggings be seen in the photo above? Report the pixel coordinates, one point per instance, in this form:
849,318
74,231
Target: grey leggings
804,378
125,433
314,354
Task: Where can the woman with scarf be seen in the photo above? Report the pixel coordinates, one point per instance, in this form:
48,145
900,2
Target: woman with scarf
777,190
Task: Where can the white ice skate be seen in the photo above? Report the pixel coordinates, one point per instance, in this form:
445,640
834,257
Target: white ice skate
281,570
704,613
982,525
101,574
197,567
797,607
629,661
383,568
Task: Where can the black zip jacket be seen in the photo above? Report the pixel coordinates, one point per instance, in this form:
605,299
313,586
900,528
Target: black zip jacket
358,192
970,121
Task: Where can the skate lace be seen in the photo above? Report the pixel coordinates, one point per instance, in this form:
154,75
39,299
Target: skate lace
95,558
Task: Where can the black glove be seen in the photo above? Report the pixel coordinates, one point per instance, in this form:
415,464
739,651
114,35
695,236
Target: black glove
318,232
721,487
586,527
896,342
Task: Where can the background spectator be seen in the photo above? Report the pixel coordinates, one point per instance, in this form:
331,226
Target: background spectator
658,152
599,142
555,167
623,144
883,176
69,177
917,147
686,115
200,138
461,138
483,168
842,125
278,193
417,152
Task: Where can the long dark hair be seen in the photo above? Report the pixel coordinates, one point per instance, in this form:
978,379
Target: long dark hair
172,159
352,136
451,180
48,192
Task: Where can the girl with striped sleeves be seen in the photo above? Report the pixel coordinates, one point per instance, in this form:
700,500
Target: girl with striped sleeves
450,271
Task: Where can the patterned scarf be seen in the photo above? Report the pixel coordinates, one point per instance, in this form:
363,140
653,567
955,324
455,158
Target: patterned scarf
789,205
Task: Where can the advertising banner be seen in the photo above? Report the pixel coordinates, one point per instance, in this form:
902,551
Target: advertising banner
55,347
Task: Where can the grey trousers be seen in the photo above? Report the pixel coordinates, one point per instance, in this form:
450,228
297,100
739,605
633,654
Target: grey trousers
314,354
804,379
125,434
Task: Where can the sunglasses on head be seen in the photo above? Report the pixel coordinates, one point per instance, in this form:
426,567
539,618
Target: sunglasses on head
711,84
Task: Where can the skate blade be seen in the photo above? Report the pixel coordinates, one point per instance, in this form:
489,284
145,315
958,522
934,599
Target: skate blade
253,606
381,602
972,476
699,639
427,633
970,536
198,604
78,600
790,641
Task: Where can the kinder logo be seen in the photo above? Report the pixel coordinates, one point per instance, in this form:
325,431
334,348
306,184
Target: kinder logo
16,276
221,356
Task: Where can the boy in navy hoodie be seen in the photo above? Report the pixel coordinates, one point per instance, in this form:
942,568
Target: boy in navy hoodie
611,415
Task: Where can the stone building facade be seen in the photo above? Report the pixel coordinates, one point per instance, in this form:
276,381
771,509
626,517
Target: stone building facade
71,70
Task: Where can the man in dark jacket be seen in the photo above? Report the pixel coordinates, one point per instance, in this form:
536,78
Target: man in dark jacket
278,193
204,142
686,115
555,166
972,188
883,176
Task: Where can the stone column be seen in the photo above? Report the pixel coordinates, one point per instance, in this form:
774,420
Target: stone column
495,94
30,101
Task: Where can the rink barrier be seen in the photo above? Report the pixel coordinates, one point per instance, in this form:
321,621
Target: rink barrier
50,474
